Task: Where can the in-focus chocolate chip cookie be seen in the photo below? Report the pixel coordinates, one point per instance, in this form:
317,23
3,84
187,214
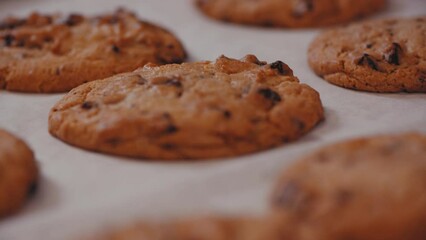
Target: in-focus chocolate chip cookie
18,173
375,56
370,188
289,13
49,53
189,111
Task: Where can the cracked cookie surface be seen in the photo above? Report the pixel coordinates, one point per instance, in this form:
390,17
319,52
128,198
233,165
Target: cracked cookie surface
375,56
368,188
290,13
189,111
18,173
50,53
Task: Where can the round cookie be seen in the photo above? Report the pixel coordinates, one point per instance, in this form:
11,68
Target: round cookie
290,13
375,56
18,173
48,53
201,228
370,188
189,111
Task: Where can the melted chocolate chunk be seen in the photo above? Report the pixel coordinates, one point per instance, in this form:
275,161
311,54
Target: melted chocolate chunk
227,114
73,20
393,54
282,68
12,24
369,61
422,77
115,48
171,129
168,146
270,94
88,105
8,40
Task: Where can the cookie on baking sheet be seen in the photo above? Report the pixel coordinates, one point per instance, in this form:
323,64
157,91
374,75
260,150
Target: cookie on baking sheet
375,56
202,228
18,173
47,53
290,13
370,188
189,111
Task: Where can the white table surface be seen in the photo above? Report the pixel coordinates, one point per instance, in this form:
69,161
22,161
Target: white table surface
83,192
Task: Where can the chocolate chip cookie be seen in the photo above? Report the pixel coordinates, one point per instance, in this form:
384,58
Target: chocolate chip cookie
201,228
189,111
18,173
50,53
290,13
375,56
370,188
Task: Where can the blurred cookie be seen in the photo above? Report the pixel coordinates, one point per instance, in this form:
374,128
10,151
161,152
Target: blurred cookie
189,111
201,228
18,173
370,188
375,56
47,53
290,13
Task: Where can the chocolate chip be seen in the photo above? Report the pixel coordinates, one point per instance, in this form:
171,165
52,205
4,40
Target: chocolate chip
369,45
227,114
32,189
73,20
12,24
8,40
392,55
422,77
115,48
88,105
282,68
168,146
58,71
302,7
369,61
269,94
171,129
113,141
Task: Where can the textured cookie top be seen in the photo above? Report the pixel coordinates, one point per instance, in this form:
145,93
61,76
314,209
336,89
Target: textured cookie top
18,173
290,13
370,188
192,110
377,56
49,53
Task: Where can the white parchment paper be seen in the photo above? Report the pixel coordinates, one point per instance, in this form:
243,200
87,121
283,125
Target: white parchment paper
83,192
